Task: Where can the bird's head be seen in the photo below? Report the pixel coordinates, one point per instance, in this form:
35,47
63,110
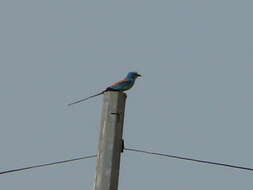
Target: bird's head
133,75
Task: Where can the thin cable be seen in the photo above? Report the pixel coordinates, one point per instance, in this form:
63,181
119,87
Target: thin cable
48,164
190,159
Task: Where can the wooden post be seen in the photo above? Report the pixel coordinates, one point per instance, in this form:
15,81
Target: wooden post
110,141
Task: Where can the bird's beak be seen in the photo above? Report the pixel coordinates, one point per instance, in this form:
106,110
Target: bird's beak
138,75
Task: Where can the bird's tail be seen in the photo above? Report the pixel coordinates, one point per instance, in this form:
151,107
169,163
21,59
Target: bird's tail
86,98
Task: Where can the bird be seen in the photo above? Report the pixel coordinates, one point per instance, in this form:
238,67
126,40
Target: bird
121,86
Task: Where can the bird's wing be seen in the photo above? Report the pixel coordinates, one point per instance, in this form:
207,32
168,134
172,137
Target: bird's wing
120,85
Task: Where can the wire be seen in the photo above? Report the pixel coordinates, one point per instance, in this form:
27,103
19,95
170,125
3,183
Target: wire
190,159
133,150
47,164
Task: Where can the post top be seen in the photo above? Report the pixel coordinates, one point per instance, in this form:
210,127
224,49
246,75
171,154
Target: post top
116,93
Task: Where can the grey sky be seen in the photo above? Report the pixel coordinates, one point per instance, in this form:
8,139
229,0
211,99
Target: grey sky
195,97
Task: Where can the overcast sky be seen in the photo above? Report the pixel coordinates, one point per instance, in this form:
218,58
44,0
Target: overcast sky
194,99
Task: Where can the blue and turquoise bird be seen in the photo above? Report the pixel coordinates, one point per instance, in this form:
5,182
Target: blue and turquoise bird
121,86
